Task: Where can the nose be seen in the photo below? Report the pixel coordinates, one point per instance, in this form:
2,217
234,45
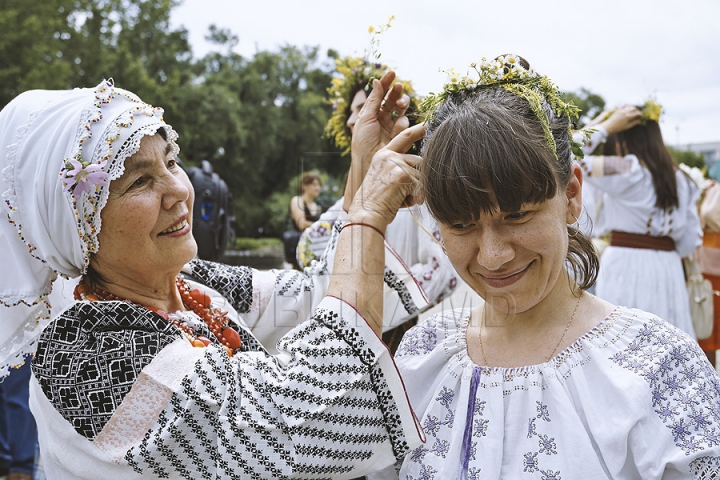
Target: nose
494,249
178,189
352,119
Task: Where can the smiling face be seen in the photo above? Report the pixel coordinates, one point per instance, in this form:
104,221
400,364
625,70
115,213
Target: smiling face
146,232
358,101
515,259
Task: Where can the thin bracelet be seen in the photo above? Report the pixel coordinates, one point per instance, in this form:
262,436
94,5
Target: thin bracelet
349,224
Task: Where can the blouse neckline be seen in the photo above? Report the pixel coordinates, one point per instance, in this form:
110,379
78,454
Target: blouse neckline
598,330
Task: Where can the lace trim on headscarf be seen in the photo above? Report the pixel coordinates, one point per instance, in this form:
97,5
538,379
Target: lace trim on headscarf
9,196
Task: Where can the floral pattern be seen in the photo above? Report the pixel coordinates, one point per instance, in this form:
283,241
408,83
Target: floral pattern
689,408
674,387
419,340
546,445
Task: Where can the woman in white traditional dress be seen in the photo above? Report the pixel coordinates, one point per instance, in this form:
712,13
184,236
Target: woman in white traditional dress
648,210
149,374
545,381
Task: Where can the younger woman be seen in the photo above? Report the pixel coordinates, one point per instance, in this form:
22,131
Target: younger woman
544,381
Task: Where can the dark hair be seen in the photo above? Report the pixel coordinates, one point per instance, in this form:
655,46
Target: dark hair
646,142
485,150
309,178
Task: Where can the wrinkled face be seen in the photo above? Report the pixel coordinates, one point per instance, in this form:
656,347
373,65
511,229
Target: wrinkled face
146,223
515,259
356,105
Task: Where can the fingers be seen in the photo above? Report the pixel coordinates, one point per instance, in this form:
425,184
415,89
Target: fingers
402,104
405,139
380,88
388,112
400,124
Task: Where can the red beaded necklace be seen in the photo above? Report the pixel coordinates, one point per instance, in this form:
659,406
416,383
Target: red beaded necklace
194,299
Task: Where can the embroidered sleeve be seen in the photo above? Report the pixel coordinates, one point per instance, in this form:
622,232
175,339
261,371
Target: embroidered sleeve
684,393
89,358
335,406
434,272
282,299
612,174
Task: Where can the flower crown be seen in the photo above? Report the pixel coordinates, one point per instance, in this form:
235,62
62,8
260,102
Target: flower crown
354,72
650,110
514,74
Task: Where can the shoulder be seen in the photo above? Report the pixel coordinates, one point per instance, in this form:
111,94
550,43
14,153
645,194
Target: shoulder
658,350
232,282
444,331
92,354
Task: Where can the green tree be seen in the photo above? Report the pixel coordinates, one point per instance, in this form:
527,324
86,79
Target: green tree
691,159
590,104
258,120
280,100
33,46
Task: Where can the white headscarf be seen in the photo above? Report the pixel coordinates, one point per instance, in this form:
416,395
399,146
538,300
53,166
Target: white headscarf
59,150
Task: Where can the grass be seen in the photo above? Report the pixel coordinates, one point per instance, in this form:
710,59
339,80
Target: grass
247,243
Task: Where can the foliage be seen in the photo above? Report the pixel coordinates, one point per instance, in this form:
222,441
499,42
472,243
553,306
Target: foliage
255,119
512,73
590,104
689,158
248,243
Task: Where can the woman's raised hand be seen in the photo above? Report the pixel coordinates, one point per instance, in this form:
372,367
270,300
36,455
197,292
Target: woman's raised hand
381,118
622,118
391,181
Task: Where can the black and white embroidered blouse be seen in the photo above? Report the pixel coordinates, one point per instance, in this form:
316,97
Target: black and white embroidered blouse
119,393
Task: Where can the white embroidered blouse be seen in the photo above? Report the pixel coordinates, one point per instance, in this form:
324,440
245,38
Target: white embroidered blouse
634,398
118,393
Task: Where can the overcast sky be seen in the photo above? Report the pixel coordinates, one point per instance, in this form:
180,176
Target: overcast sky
623,50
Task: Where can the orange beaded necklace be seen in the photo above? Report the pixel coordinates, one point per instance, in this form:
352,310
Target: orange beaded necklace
194,299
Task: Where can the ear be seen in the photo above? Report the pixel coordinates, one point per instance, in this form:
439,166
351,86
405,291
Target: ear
574,193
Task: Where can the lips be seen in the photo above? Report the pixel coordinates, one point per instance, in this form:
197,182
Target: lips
175,228
504,280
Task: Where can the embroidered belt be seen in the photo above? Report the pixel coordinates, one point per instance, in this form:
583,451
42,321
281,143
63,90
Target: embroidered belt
636,240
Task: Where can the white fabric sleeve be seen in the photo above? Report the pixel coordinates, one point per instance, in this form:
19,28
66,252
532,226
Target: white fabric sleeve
283,299
334,406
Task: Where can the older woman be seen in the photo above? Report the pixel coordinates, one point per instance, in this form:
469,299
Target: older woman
544,380
149,374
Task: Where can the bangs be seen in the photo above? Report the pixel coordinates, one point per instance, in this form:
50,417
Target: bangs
476,163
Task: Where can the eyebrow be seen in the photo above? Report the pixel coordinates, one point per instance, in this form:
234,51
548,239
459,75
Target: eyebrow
132,165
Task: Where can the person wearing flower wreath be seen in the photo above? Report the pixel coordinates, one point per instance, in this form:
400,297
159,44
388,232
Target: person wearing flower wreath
412,236
544,381
648,210
148,374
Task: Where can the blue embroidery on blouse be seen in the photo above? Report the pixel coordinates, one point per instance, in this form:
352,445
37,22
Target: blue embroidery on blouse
685,391
546,445
419,340
432,426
